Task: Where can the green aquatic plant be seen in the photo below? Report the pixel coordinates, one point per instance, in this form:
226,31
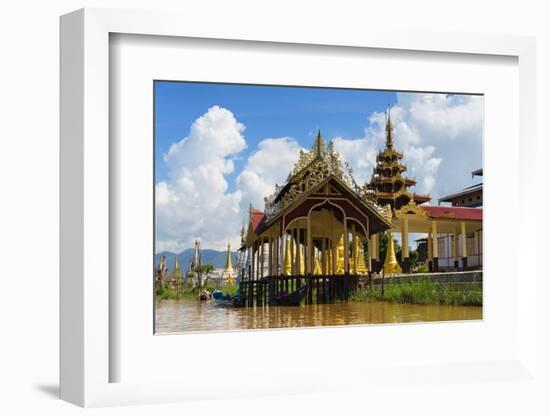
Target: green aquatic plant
424,292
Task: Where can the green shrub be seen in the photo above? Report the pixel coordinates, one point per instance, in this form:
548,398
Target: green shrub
425,292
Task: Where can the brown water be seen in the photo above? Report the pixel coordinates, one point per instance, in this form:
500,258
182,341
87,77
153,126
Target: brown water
191,315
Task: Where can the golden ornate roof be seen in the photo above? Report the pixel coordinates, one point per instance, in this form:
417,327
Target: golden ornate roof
312,168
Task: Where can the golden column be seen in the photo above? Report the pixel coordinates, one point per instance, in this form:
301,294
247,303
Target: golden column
309,248
334,255
324,258
346,248
292,252
298,248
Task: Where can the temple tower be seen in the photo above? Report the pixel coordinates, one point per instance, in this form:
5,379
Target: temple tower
390,185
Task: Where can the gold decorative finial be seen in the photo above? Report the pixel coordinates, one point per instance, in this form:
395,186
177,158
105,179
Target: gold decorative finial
319,146
359,254
389,129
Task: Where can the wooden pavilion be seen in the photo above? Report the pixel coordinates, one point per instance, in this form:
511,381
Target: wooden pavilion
313,225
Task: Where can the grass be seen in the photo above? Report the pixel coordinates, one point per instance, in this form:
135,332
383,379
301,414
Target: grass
425,292
190,292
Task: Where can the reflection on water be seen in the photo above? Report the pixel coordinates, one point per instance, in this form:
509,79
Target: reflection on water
192,315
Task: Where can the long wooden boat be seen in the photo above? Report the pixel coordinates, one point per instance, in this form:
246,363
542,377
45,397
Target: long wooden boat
224,299
291,299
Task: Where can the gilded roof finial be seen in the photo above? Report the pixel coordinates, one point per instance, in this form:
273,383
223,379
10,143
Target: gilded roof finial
389,129
319,146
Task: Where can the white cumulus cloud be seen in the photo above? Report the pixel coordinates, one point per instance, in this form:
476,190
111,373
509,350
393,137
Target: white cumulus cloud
440,136
193,202
269,165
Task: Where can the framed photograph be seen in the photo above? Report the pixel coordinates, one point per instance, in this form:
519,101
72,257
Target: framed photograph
285,208
313,221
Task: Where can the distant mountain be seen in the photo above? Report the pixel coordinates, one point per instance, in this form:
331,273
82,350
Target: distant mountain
217,258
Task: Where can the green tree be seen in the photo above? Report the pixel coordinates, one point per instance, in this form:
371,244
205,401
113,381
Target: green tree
206,269
413,255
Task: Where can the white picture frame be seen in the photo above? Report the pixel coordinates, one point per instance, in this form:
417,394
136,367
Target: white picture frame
86,355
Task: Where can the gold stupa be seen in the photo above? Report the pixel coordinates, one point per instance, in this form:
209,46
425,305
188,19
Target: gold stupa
391,266
360,255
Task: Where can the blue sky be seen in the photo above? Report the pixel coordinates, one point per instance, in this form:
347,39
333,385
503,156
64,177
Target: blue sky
266,111
221,147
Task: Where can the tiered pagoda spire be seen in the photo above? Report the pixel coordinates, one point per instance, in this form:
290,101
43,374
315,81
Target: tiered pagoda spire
388,182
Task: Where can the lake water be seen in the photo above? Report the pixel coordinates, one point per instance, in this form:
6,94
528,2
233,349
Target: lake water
192,315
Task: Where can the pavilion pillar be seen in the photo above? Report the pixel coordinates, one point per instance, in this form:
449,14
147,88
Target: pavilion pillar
271,256
323,256
430,252
379,262
282,253
334,254
455,249
293,252
464,245
354,245
298,251
435,248
405,260
309,248
375,252
346,248
276,256
258,259
262,257
369,249
275,244
252,262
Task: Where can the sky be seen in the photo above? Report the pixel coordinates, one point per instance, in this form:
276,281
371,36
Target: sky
221,147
